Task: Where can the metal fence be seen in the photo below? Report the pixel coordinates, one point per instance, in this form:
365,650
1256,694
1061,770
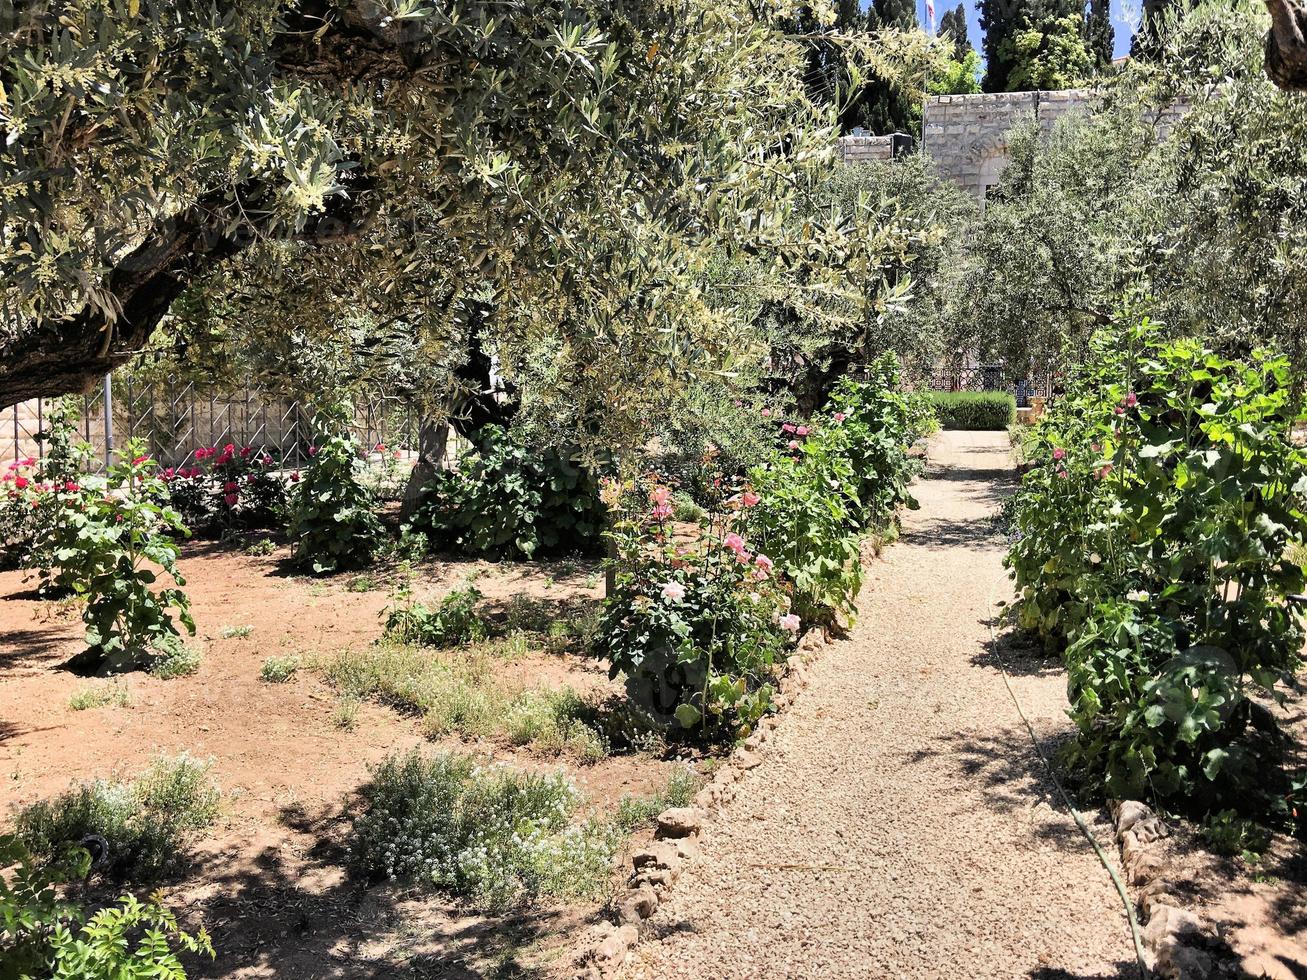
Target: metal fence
174,418
989,377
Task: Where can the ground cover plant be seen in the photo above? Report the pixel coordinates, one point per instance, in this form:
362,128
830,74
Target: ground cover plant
461,694
975,410
494,835
141,826
1150,542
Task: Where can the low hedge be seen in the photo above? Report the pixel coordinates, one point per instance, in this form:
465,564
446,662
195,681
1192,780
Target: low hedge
974,409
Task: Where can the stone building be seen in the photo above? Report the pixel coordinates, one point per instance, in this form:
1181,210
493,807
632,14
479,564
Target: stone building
966,135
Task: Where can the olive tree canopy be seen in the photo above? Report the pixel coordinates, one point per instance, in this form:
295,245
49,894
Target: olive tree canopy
574,164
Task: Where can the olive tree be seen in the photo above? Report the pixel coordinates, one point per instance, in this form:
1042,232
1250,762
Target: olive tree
570,166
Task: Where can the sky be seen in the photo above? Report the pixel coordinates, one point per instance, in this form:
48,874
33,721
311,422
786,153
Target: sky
1122,11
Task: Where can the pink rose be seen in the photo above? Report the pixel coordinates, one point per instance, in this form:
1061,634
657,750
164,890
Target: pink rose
750,499
793,444
840,416
766,413
733,542
1059,454
790,623
674,591
801,430
764,563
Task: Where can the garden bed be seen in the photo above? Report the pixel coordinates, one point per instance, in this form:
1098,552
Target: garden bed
268,879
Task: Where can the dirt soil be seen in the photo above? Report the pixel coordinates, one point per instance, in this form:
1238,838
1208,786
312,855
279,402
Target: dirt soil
902,824
267,879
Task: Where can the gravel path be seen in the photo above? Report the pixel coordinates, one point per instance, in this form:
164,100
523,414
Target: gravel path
901,824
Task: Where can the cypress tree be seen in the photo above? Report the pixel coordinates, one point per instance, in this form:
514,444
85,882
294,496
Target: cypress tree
954,25
1100,36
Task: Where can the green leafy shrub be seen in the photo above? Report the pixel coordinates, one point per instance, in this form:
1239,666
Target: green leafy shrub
278,670
106,538
982,410
495,835
333,522
145,824
510,500
41,935
454,622
845,472
696,631
1149,546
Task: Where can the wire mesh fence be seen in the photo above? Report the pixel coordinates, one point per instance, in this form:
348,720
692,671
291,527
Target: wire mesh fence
176,417
989,377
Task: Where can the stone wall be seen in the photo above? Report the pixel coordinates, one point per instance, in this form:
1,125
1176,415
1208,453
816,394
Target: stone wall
966,135
866,149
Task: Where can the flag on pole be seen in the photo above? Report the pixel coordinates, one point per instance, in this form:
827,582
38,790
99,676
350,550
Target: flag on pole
930,14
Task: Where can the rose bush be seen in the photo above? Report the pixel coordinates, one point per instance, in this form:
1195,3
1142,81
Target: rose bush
106,539
697,623
228,489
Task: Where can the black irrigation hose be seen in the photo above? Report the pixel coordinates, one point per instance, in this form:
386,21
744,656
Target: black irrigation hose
1075,814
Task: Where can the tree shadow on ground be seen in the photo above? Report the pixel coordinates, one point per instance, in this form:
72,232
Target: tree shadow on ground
295,914
32,650
1016,654
1123,970
1013,778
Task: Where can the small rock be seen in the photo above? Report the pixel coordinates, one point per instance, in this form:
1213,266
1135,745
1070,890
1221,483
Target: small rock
682,821
659,854
612,951
638,904
656,878
687,848
1129,813
745,759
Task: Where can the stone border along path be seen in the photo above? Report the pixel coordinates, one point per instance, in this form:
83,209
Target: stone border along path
900,823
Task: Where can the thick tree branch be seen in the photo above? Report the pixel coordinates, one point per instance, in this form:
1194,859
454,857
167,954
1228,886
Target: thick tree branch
1286,44
56,357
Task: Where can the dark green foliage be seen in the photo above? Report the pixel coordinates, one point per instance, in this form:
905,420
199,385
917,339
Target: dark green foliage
333,523
974,409
880,106
511,500
1009,61
1150,543
953,24
1100,35
454,622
